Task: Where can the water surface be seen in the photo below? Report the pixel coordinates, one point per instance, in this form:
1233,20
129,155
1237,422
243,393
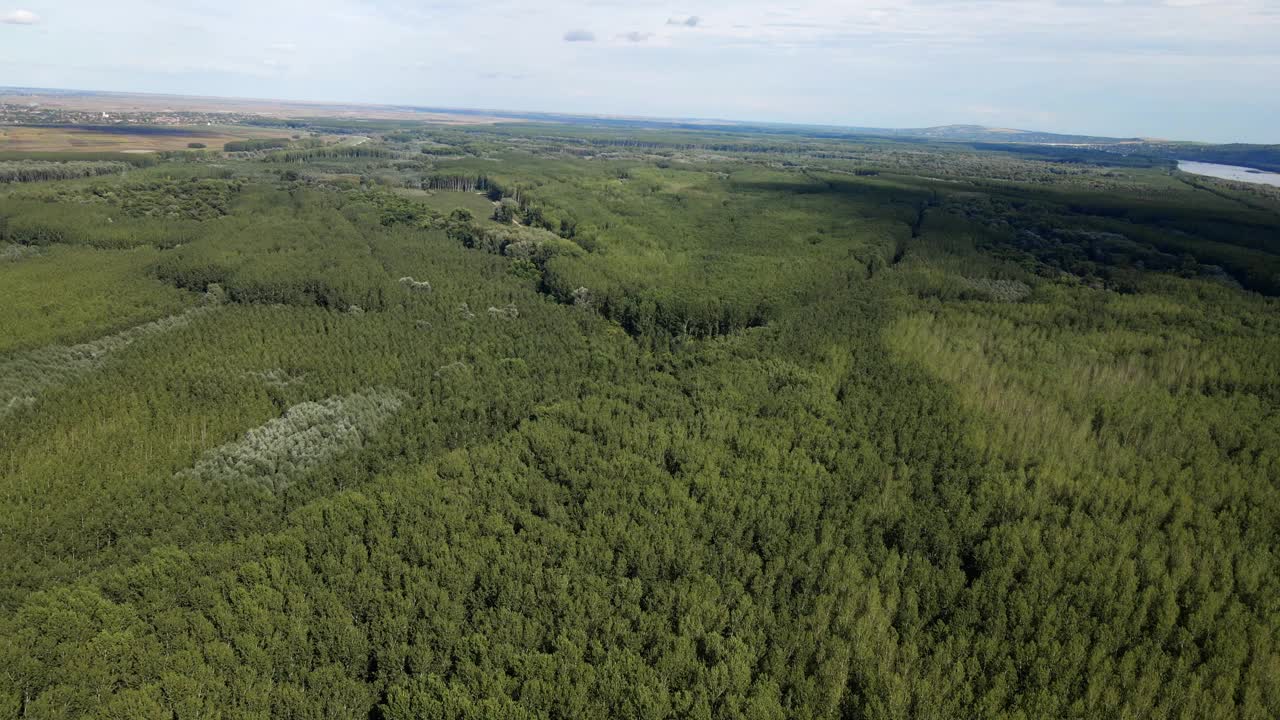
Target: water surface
1230,172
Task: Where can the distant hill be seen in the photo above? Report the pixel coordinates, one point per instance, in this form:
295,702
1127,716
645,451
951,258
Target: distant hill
980,133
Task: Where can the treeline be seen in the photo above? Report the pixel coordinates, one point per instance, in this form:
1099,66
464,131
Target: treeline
40,171
134,159
256,144
660,315
275,122
461,183
1115,156
333,152
735,141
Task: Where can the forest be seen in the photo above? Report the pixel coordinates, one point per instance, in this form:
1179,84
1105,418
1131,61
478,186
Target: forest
539,420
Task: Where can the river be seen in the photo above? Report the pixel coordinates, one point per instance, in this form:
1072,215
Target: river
1230,172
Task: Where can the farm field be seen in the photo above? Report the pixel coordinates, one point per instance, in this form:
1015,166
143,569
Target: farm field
115,139
110,102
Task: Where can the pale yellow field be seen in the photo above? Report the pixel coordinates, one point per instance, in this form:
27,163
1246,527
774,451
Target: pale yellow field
71,139
138,102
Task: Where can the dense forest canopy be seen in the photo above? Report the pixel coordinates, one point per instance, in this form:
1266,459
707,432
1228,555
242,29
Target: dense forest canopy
552,421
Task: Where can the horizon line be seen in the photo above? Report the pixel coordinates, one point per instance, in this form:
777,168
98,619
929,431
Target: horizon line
497,113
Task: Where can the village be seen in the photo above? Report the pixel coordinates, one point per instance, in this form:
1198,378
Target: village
35,113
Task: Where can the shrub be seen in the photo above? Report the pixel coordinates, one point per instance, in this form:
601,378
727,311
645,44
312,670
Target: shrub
308,435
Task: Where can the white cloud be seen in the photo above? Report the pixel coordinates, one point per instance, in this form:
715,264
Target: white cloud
913,62
20,17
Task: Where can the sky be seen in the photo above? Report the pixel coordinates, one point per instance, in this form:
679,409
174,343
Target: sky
1179,69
